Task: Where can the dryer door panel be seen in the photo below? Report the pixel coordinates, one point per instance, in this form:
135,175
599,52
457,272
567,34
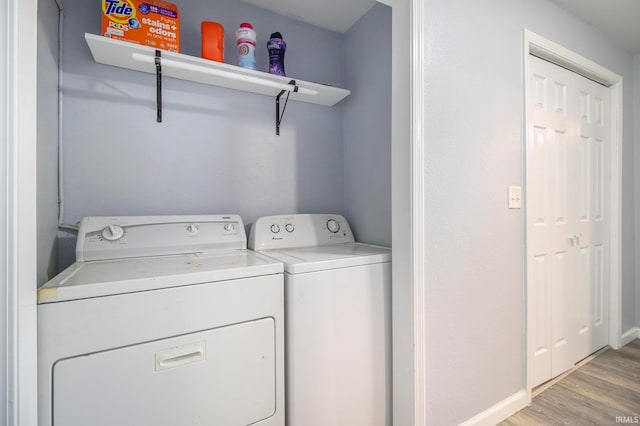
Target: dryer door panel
222,376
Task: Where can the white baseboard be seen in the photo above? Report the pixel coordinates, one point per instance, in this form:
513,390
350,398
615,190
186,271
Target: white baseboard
501,410
521,399
630,335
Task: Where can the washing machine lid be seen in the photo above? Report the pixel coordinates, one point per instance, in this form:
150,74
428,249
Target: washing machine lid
320,258
84,280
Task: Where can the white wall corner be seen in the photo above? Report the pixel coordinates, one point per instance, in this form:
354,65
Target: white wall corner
501,410
417,179
20,221
629,336
405,376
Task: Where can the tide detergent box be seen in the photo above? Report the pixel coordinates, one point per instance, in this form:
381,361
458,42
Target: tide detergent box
153,23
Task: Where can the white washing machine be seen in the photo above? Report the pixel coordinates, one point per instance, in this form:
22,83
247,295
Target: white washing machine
163,321
337,320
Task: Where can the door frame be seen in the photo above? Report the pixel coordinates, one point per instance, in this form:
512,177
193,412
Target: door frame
541,47
19,221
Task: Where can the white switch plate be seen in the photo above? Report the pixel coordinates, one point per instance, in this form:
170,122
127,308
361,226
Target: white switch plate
515,197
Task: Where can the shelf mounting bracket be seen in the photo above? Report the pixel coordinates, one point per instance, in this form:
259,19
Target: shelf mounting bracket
158,87
278,115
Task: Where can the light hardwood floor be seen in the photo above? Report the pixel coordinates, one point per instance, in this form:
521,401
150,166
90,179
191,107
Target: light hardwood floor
605,391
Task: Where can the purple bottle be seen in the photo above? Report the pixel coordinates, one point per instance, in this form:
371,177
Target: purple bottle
276,47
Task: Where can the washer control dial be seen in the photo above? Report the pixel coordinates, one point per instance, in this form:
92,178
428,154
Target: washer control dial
192,228
289,227
333,226
112,233
229,227
275,228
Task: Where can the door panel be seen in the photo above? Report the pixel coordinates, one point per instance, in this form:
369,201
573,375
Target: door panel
594,128
548,175
600,234
560,181
539,295
567,218
560,349
584,178
581,327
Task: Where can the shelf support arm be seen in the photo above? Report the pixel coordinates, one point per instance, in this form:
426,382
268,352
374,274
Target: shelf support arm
158,86
278,115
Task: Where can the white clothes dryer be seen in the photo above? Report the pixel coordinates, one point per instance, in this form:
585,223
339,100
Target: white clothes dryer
337,320
163,320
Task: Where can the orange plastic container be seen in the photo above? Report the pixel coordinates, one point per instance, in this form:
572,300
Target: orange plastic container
212,41
154,23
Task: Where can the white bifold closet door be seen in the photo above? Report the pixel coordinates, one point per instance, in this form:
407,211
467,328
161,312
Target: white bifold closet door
567,218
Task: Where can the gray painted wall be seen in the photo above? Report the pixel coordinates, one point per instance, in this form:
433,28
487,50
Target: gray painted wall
367,127
474,149
216,151
47,160
636,115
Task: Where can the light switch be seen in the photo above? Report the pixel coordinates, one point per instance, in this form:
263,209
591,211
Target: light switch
515,197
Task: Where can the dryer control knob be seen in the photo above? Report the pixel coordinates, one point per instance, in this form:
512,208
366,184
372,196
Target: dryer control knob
112,233
333,226
192,228
275,228
289,227
229,227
